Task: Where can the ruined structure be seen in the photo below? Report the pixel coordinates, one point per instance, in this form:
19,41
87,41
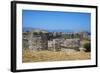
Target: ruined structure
40,40
54,45
35,41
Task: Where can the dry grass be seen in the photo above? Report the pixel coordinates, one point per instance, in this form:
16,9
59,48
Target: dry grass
40,56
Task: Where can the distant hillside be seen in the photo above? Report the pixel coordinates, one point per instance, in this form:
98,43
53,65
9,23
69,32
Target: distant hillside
40,30
25,29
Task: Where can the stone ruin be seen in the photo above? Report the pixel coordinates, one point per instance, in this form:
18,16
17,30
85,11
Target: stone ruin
35,42
41,42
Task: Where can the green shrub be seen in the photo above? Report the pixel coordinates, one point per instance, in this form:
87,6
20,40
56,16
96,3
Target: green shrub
87,46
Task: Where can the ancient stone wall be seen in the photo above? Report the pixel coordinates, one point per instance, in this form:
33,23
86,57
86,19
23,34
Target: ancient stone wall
42,41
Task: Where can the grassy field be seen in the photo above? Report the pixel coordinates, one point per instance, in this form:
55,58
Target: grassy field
41,56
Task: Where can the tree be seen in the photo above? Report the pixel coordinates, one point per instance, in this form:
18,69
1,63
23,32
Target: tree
35,33
40,33
87,46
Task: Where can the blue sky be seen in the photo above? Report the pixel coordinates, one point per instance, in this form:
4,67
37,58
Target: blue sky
51,20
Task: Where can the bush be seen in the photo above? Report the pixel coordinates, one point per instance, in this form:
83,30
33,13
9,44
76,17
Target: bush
87,46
